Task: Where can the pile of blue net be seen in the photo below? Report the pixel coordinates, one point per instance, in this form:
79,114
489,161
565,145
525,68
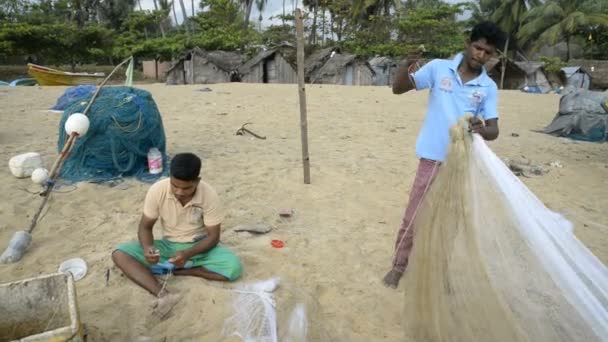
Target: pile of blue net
124,124
74,94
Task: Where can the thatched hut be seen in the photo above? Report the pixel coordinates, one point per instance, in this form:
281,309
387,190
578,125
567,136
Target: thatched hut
520,75
345,69
268,66
597,70
535,76
385,68
200,67
493,67
315,61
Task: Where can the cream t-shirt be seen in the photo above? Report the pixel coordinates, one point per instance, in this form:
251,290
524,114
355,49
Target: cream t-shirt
183,223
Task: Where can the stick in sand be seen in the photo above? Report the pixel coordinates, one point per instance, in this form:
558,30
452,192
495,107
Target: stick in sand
22,238
302,95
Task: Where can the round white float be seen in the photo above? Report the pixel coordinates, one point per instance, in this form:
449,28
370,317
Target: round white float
40,176
76,266
77,123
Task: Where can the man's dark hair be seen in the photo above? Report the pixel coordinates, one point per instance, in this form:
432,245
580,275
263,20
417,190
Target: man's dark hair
185,166
491,32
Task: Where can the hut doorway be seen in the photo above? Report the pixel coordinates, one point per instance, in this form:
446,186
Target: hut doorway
349,74
269,71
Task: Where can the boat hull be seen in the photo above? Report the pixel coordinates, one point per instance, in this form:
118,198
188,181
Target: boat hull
51,77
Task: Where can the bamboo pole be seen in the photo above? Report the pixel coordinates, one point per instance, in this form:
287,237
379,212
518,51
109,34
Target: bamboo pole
302,95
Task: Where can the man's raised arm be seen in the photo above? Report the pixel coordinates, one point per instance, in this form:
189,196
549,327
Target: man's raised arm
403,82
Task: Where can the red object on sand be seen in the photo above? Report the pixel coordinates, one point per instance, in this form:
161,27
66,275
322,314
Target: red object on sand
277,243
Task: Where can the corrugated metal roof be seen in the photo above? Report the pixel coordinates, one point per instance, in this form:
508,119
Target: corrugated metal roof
569,71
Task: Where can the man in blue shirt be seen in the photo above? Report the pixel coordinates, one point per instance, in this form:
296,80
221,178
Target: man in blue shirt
457,87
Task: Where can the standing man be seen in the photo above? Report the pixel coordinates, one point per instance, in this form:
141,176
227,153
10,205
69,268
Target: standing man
190,215
457,87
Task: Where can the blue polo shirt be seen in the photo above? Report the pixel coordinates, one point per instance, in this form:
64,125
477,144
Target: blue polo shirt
449,99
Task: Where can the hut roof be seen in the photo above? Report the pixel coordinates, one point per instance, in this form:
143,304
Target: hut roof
262,55
338,62
525,68
530,67
225,60
491,64
381,60
599,75
315,61
571,70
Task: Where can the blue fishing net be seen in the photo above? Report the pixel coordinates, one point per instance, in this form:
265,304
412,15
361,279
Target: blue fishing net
73,94
124,124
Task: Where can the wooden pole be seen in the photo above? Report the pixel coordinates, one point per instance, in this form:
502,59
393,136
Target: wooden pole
302,95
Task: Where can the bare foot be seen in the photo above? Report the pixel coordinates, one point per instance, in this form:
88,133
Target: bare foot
391,279
163,305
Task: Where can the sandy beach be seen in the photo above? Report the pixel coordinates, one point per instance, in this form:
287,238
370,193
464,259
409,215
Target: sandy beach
338,243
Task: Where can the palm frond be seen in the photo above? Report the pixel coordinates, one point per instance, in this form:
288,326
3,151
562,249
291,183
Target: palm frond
570,23
550,36
534,28
553,9
533,14
598,19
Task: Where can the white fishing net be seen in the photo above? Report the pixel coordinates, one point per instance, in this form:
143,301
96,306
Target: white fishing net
292,316
255,317
492,263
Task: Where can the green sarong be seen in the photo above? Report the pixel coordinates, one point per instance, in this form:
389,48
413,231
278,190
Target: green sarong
219,259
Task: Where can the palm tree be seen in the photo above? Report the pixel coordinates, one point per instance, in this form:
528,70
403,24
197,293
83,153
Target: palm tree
165,8
314,6
557,20
114,12
482,9
509,15
174,13
246,5
185,22
366,8
260,5
409,4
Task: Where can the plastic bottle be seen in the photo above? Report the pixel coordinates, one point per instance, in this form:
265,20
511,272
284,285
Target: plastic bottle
155,161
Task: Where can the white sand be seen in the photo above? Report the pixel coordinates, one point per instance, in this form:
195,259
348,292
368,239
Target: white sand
338,244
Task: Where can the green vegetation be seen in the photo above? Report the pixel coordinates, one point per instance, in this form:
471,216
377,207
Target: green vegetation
76,32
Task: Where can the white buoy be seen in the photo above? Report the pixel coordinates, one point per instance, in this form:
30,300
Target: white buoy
24,164
77,123
40,176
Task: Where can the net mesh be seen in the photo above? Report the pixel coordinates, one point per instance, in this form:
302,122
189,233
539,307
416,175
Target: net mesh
263,312
492,263
124,124
73,94
255,317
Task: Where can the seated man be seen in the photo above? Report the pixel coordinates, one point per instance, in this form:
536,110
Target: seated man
190,215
